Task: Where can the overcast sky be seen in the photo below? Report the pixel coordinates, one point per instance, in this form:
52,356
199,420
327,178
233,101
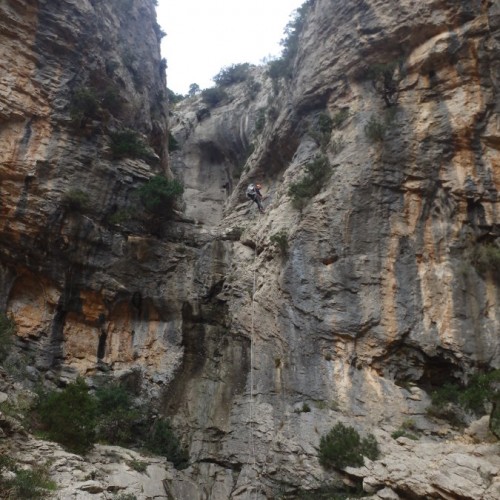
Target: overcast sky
205,35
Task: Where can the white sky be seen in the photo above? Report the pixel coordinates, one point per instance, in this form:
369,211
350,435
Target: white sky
205,35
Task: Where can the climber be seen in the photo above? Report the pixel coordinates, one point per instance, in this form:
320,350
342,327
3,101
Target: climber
253,192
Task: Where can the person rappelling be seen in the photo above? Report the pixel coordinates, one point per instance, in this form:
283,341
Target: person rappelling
253,193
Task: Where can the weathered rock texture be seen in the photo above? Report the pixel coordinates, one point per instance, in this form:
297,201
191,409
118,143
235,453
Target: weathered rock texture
380,286
65,272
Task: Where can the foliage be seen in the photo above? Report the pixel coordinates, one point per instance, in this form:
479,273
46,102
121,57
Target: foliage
333,492
321,129
343,447
163,441
7,331
27,483
476,397
385,78
305,408
252,87
494,424
160,33
159,194
111,99
406,430
174,98
88,103
76,200
317,173
120,216
339,118
282,67
260,121
279,68
116,415
84,104
230,75
280,239
213,96
69,416
173,145
138,465
486,259
403,433
194,89
375,130
128,143
337,144
125,496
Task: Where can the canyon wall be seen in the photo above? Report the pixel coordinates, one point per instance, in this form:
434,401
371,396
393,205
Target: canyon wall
256,333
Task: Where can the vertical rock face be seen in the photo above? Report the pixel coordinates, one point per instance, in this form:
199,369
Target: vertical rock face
75,77
385,283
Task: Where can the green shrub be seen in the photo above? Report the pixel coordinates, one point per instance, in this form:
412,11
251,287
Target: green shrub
339,118
451,401
120,216
252,87
128,143
486,259
405,430
159,194
173,145
84,104
28,483
317,174
163,441
69,416
280,239
116,415
260,121
343,447
321,129
335,491
337,145
7,332
34,483
279,68
282,67
324,124
125,496
494,424
385,78
88,103
76,200
111,99
232,74
138,466
213,96
194,89
403,433
174,98
375,130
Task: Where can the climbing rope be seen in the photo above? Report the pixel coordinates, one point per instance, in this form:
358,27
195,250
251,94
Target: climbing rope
252,441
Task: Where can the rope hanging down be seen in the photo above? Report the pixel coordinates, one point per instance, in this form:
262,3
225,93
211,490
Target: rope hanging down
252,442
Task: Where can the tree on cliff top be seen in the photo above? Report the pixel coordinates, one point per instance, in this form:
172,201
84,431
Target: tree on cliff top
282,66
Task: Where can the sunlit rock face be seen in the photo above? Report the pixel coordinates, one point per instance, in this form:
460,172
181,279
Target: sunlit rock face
380,285
378,292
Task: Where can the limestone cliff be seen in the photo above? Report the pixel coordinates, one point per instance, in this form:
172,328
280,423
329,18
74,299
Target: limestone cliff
257,333
76,77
